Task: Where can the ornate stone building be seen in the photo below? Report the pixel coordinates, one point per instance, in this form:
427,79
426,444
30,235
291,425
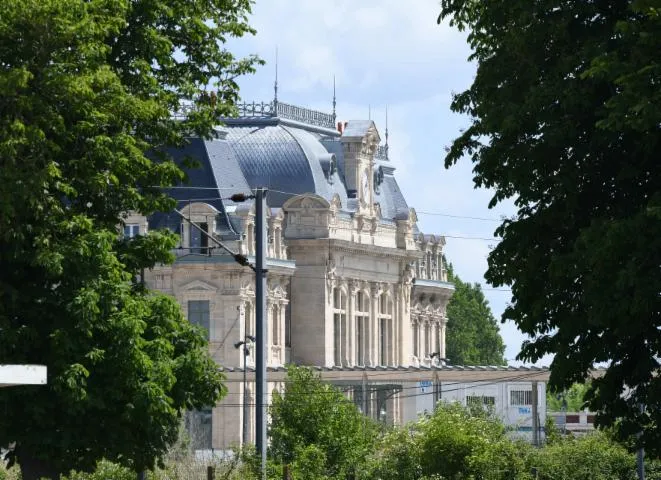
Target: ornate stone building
353,285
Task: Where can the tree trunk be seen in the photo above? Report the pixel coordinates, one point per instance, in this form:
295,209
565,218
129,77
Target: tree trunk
33,468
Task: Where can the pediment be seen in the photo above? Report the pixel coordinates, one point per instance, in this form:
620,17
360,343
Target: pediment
198,285
308,201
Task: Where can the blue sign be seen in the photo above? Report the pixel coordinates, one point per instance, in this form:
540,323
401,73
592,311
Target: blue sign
424,385
524,410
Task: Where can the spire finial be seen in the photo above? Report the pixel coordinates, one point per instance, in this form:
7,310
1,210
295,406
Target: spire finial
369,111
275,85
386,147
334,100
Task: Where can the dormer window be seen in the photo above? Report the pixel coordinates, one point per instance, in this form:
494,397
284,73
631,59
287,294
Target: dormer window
131,230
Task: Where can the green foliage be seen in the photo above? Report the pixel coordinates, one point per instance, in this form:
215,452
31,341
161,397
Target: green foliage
592,457
395,456
87,88
454,441
564,113
572,399
473,336
104,470
314,421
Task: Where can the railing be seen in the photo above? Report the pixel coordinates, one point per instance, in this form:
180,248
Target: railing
381,152
255,109
286,110
182,112
280,109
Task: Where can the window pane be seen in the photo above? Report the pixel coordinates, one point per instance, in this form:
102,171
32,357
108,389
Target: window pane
288,325
198,425
198,314
131,230
276,326
521,397
360,339
382,344
337,336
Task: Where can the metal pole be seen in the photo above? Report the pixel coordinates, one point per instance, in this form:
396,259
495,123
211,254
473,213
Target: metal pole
535,414
261,330
640,457
245,398
640,454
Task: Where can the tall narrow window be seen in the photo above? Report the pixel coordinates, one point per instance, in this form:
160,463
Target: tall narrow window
198,424
416,340
275,317
385,329
288,325
339,324
383,342
198,239
361,317
427,339
429,266
198,314
249,326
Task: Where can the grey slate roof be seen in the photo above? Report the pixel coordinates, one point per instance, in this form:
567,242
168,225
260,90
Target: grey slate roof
270,156
214,158
390,197
286,157
357,128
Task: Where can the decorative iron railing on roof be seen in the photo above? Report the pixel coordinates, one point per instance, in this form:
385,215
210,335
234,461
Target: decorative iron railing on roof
381,152
272,109
182,112
286,110
255,109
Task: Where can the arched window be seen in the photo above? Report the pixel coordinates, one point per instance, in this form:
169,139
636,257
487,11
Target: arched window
339,323
362,317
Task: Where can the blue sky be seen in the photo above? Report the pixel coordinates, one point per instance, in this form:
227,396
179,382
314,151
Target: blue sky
387,52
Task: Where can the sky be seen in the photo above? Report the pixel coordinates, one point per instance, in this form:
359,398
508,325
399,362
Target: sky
388,53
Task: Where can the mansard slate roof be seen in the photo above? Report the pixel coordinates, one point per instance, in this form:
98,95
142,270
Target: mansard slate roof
286,156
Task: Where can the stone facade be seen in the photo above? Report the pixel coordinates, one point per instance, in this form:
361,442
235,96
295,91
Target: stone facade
352,283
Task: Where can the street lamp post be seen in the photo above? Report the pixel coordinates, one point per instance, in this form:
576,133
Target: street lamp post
245,343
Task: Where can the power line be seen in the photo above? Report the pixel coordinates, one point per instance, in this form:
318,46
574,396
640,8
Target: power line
469,385
438,214
322,277
372,387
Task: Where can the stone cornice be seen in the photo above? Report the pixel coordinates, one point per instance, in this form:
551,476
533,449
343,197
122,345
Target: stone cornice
351,247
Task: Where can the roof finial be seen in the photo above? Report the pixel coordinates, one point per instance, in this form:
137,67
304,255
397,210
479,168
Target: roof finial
334,100
369,111
275,85
386,147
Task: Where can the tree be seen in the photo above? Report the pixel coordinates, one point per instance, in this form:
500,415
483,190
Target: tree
564,113
314,420
571,400
473,336
88,91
